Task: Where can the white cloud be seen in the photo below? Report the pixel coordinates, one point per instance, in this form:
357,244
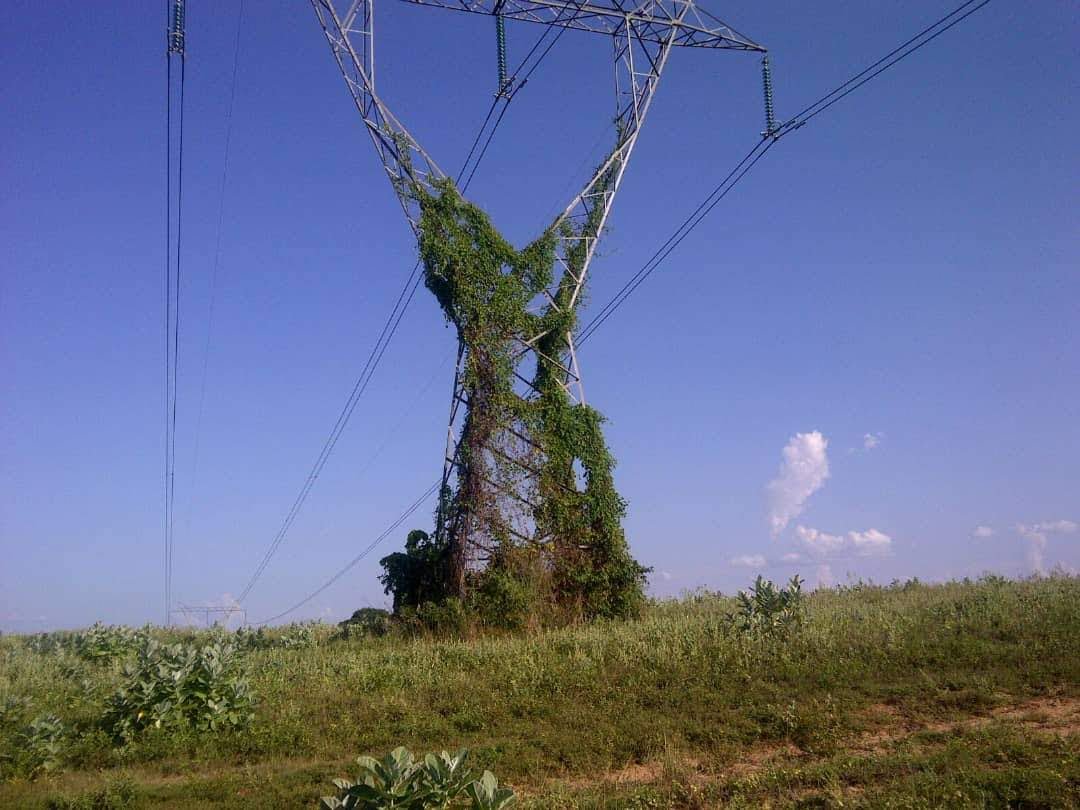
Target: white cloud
792,557
982,531
824,578
819,543
749,561
870,542
1036,536
803,471
1057,526
1036,547
666,576
871,440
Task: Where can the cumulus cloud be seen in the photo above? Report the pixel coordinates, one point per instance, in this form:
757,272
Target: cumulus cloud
870,542
824,577
792,557
818,543
872,440
1036,535
1057,526
822,544
749,561
803,471
982,531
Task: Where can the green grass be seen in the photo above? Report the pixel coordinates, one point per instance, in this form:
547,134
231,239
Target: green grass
887,697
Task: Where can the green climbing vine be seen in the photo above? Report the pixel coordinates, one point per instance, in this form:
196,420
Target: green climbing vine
582,566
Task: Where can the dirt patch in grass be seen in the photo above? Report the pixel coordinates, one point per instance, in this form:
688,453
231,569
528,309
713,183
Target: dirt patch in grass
1057,715
758,759
1052,715
636,774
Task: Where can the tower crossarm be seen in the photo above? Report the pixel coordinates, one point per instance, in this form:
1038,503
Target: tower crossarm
352,42
679,22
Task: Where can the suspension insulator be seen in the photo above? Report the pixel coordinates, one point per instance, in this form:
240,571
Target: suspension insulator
770,115
176,28
500,44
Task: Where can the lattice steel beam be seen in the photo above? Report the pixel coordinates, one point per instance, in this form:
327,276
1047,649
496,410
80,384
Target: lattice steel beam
657,20
352,41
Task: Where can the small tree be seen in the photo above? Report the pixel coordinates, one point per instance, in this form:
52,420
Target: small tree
416,575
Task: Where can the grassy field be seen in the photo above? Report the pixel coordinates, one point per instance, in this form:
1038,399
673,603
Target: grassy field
912,696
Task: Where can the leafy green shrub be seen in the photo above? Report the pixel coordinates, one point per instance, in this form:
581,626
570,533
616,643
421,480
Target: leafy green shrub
115,794
446,618
46,643
364,622
39,746
99,642
247,639
296,636
171,685
768,610
487,795
12,711
399,780
299,636
502,599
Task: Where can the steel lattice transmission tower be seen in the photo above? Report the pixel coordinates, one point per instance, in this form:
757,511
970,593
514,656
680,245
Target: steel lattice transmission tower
491,507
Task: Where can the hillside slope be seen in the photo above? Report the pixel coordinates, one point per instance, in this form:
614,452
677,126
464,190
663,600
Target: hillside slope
957,695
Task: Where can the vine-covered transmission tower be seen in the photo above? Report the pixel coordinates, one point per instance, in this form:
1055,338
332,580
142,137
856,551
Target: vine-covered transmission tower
494,488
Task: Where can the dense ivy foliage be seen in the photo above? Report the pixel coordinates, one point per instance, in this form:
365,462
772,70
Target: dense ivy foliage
485,288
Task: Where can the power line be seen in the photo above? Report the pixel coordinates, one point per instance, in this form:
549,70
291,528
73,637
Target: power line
389,329
417,398
174,13
680,233
507,97
494,129
167,312
391,325
820,106
217,255
176,329
355,560
890,59
479,135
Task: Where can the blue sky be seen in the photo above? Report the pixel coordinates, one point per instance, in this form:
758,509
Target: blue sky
905,268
